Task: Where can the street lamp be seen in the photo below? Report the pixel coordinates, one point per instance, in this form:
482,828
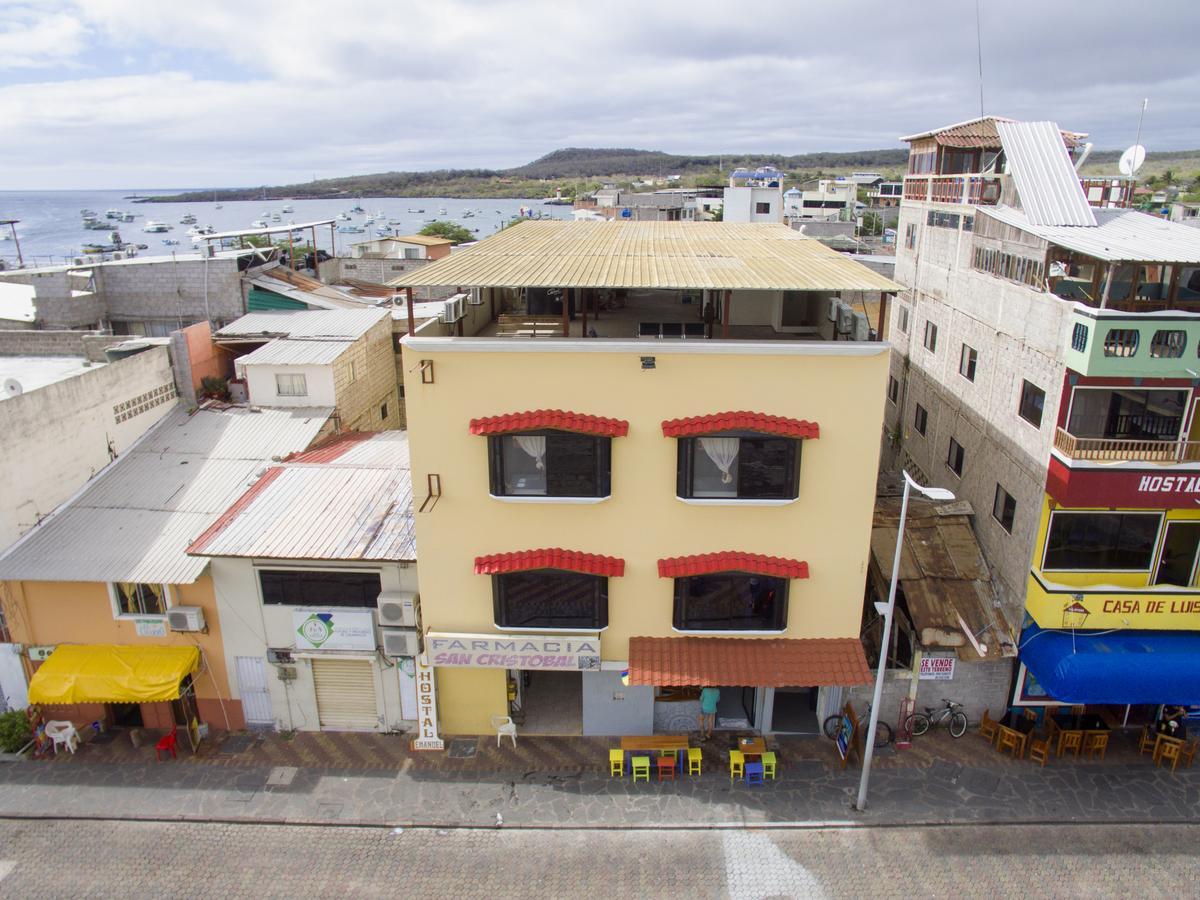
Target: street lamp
887,609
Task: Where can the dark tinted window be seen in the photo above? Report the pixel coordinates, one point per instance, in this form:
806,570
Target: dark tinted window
1101,541
549,464
955,457
731,601
920,419
1004,508
739,466
300,588
549,598
1033,398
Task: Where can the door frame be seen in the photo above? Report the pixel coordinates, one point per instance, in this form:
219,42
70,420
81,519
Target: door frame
1162,548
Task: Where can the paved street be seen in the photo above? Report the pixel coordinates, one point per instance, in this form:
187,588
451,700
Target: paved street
132,859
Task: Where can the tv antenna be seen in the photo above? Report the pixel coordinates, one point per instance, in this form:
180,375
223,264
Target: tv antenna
979,55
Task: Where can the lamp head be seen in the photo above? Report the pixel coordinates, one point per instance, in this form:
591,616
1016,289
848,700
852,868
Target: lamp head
933,493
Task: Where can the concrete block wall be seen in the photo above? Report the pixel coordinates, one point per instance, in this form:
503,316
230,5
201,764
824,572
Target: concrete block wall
376,271
980,685
172,290
35,342
361,397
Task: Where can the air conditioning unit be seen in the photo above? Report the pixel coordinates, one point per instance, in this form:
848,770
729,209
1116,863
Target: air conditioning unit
185,618
475,298
861,330
396,609
834,303
399,642
845,318
453,310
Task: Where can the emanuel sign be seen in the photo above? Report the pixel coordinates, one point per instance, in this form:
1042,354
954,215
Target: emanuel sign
514,651
334,629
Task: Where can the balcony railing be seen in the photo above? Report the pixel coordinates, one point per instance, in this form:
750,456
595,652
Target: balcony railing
979,190
1118,449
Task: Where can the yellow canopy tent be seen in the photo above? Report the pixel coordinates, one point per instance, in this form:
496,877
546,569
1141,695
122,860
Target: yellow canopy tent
108,673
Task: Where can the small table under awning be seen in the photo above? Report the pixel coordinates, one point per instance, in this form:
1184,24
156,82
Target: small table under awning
747,662
112,673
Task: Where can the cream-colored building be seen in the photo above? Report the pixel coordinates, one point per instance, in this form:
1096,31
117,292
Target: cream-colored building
608,524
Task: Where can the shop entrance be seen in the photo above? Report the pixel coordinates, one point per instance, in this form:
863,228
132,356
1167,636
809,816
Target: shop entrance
548,702
736,708
795,711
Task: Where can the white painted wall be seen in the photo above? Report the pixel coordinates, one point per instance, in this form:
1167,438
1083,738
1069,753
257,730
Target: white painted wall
248,628
740,203
260,383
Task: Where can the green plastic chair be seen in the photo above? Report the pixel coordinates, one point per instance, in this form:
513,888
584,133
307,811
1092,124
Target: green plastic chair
641,768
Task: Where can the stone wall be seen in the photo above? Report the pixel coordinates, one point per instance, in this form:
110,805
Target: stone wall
362,391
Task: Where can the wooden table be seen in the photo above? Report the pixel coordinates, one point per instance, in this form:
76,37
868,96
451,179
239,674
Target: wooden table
755,746
655,743
1081,725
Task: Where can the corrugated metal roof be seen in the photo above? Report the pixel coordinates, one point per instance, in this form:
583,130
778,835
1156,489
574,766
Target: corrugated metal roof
136,519
1046,181
669,255
1120,235
980,132
420,239
284,352
347,324
357,506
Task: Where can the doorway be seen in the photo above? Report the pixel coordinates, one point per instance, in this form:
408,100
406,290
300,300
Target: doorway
126,715
1177,564
735,708
551,702
795,711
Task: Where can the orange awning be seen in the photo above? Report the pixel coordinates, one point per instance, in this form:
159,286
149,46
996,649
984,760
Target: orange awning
749,662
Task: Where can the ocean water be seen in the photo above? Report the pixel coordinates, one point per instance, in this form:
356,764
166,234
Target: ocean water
51,231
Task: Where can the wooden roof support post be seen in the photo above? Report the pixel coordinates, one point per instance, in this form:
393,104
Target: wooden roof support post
583,298
566,307
20,259
1173,284
725,314
883,313
292,254
412,325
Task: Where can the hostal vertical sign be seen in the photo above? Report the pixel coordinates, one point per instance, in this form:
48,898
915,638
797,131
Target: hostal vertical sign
427,727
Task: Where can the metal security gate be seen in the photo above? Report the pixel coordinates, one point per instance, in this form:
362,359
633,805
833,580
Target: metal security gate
252,683
345,691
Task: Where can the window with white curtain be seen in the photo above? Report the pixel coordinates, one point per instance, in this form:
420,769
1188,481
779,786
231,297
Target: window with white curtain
287,385
739,465
550,463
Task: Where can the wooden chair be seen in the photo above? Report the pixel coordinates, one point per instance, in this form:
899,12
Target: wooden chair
1039,749
1096,742
1188,752
1148,740
1169,750
1078,709
1070,740
1010,739
988,728
1162,744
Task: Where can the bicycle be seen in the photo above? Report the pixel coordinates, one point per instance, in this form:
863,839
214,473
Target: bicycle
918,723
883,731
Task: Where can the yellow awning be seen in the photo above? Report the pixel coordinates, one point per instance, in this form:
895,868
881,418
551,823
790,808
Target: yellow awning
108,673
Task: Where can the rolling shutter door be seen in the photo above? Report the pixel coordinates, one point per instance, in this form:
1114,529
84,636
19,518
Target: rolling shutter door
345,694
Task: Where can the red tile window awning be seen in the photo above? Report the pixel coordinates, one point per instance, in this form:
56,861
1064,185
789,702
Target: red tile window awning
550,558
563,420
741,421
747,662
731,561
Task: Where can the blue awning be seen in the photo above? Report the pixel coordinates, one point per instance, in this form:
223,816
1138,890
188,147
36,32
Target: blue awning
1114,667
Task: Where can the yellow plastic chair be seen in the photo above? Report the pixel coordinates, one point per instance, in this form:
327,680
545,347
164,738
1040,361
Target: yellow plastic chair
768,761
616,763
641,768
695,758
737,764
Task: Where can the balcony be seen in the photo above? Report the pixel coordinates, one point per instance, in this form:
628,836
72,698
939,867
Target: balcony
1124,449
976,190
1112,343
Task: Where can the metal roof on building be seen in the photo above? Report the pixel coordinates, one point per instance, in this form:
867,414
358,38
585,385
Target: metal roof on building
287,352
1120,235
355,506
667,255
1045,178
135,520
276,228
347,324
980,132
423,240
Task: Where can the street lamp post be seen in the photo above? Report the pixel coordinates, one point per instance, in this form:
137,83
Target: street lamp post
887,609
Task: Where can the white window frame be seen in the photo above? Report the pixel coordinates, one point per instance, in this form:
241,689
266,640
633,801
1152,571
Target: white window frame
120,615
279,392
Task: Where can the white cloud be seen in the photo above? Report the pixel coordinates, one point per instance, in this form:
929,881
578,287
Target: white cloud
30,38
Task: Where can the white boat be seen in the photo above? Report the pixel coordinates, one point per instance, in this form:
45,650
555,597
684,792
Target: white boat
171,242
342,217
258,223
128,217
275,217
441,210
288,209
88,213
351,229
356,209
188,219
112,214
155,227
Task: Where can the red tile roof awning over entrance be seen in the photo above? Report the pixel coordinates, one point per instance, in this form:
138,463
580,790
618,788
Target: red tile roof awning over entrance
550,558
741,421
731,561
562,420
746,662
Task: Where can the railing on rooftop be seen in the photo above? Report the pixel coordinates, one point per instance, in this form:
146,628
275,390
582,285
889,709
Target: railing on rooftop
984,190
1115,450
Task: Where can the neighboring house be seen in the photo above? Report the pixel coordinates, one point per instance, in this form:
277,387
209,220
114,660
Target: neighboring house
1042,373
887,193
754,196
411,246
1186,212
338,358
829,201
690,512
314,570
105,587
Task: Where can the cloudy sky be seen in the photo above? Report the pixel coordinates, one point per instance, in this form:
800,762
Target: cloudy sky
172,93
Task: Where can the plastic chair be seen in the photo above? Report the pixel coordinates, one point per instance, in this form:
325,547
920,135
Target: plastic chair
754,773
666,767
737,764
641,768
616,763
166,744
1095,743
62,733
768,764
695,758
673,756
504,725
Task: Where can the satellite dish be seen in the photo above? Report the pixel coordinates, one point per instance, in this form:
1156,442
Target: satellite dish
12,387
1132,159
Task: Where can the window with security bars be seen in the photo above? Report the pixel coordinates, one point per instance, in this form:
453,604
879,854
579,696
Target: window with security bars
1168,344
549,463
1121,342
1079,337
550,598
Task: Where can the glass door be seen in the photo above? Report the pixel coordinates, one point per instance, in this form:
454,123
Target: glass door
1177,565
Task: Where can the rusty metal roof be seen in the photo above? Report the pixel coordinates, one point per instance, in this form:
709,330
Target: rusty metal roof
651,255
979,133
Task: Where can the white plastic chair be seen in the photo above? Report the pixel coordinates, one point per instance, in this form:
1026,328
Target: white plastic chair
504,725
63,733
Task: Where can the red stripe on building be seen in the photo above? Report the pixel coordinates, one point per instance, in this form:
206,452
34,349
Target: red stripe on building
740,421
731,561
198,545
551,558
559,419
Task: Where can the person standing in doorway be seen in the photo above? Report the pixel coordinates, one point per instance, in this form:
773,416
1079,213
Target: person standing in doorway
709,698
